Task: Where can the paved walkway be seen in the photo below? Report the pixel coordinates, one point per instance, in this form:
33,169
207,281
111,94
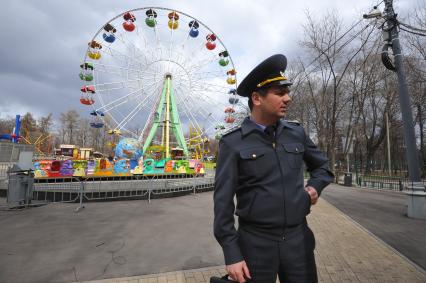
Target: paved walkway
345,252
383,213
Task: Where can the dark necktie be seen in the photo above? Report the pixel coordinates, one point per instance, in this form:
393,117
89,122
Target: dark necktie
270,131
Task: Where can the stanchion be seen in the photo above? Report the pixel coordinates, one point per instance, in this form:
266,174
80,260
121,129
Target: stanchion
81,192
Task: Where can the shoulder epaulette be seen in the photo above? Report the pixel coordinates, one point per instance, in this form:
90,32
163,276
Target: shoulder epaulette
295,122
230,131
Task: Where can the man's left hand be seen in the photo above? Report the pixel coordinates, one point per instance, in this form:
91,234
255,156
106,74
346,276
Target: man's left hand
312,193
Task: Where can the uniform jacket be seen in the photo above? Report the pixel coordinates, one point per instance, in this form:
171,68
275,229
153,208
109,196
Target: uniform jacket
266,176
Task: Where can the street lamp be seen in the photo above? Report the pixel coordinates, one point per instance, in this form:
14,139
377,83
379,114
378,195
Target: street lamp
417,195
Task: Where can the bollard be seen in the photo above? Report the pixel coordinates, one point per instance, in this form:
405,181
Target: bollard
81,206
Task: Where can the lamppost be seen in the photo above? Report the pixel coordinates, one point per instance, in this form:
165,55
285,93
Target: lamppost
417,194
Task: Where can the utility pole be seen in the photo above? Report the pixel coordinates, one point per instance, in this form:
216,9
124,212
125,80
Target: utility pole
391,28
419,111
417,195
388,144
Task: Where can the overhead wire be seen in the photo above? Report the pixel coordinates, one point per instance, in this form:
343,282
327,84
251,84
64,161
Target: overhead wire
411,27
343,35
335,42
412,32
337,51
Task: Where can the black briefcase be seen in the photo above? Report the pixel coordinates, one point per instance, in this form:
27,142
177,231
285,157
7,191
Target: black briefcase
224,279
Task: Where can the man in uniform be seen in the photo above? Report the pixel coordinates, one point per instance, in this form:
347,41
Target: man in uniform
261,163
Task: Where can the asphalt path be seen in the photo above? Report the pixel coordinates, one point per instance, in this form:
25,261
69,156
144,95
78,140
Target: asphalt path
383,213
52,243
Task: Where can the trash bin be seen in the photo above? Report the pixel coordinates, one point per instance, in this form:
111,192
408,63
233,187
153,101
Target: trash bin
20,186
348,179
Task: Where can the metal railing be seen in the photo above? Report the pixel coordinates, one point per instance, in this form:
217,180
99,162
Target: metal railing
385,182
396,183
4,167
146,187
57,192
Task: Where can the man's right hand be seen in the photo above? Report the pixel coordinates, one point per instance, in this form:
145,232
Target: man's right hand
238,271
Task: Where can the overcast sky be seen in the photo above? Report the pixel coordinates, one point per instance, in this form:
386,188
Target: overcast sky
43,42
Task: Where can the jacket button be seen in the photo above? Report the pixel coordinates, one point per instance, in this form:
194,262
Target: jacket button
297,150
254,155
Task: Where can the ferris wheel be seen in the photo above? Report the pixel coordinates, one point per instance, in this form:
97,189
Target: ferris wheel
153,73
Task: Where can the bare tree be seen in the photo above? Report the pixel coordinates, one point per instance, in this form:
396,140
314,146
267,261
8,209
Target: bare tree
44,125
324,84
6,125
28,127
376,105
301,108
69,123
364,113
416,43
83,132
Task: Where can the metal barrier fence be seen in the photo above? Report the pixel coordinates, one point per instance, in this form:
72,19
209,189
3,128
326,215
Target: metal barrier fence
385,182
396,183
58,192
4,167
147,187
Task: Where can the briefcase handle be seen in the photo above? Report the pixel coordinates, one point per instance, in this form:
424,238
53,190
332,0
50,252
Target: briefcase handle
225,279
222,279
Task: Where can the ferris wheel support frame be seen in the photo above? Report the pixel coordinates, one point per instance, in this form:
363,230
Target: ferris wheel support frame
168,105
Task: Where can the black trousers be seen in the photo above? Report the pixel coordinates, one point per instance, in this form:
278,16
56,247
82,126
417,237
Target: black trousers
292,258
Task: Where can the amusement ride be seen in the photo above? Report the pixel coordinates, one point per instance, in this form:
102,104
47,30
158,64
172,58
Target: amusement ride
162,84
